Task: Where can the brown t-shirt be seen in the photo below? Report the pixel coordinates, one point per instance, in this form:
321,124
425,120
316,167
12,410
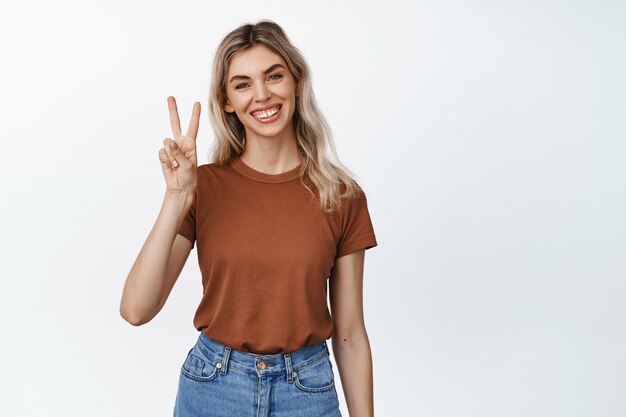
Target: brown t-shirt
265,251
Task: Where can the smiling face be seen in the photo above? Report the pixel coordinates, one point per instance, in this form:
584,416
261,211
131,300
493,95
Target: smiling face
258,84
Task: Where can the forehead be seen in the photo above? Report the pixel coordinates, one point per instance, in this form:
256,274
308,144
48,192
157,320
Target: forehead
254,61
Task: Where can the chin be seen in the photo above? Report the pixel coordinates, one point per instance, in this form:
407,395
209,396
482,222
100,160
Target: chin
269,133
268,130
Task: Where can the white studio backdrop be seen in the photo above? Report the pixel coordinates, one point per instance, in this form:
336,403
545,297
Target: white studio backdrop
488,136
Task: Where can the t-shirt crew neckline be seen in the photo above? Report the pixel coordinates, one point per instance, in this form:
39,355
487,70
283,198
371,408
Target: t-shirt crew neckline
252,173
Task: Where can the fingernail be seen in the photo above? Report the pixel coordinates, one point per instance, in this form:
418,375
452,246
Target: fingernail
175,163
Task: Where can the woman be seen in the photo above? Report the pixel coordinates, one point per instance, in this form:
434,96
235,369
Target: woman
275,219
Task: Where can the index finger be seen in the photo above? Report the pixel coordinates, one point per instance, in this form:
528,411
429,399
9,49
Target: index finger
174,120
192,131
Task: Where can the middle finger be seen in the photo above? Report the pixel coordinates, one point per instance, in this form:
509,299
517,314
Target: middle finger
192,130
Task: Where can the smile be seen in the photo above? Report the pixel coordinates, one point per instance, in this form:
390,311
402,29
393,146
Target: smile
268,115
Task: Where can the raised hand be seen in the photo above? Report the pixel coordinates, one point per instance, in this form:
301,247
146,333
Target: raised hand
178,156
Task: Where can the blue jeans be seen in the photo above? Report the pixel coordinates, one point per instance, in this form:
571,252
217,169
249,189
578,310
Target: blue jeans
216,380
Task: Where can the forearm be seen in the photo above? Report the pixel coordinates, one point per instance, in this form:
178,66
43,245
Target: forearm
354,360
144,285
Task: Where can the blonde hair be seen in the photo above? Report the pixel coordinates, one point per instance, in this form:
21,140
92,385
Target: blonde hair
314,138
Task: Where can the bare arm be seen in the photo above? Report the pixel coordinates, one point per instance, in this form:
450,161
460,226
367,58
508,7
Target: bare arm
164,252
350,343
158,264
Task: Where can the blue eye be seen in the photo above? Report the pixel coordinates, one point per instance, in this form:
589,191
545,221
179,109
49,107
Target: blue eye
278,76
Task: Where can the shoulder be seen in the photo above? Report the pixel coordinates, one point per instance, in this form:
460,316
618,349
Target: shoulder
210,166
355,194
350,201
212,169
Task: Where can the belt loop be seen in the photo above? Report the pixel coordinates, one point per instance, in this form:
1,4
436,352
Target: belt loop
287,357
226,358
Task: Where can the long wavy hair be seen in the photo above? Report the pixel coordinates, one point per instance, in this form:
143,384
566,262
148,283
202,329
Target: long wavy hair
321,166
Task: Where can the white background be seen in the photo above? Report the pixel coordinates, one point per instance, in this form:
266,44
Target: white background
488,136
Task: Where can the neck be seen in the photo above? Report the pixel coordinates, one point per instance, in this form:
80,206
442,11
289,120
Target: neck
272,155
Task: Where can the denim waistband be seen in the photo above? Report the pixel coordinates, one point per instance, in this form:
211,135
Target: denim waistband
273,364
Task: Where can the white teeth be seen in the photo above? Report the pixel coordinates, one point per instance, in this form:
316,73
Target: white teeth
266,114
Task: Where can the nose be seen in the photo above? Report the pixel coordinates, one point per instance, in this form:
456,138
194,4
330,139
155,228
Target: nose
261,93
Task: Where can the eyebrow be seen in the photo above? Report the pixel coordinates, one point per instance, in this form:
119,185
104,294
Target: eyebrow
245,77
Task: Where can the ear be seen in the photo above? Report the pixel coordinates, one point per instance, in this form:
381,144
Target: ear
228,107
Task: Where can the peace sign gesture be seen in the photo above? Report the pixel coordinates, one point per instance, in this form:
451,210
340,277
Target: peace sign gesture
178,157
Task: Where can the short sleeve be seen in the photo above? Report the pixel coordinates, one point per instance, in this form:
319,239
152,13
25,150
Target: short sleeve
357,231
188,227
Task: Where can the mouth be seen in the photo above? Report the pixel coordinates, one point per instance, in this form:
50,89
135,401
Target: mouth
268,116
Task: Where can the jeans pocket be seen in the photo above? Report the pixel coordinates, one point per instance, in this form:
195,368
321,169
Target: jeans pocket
199,367
316,377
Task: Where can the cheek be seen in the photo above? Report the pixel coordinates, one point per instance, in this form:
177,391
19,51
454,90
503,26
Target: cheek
286,90
239,105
